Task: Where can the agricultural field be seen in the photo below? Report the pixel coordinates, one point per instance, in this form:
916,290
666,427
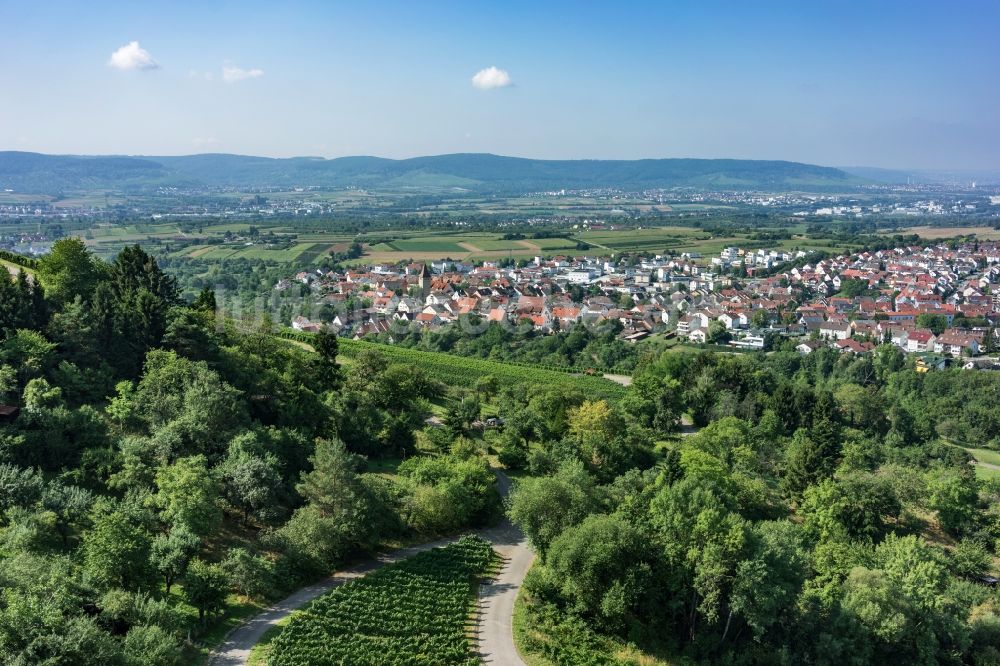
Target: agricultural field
551,243
13,268
935,233
460,247
503,245
295,252
689,239
427,245
647,240
464,371
413,612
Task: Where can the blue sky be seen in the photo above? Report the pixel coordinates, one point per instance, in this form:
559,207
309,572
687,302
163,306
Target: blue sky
879,83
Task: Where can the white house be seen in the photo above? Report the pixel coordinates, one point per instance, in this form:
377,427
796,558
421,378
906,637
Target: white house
698,335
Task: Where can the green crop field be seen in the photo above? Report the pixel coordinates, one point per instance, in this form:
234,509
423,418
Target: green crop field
274,254
428,245
216,252
412,612
297,251
235,227
13,268
490,245
463,371
552,243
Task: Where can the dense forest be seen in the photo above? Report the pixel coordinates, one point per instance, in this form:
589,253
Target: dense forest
162,472
824,513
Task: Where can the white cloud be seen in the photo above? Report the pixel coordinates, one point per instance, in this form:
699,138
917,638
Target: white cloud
232,73
132,56
490,78
195,74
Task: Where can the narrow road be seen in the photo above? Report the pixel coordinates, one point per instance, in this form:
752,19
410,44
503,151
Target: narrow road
495,635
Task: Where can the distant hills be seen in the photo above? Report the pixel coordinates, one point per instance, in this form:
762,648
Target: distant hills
48,174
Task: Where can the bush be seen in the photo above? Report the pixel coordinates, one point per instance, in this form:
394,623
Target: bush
513,455
152,646
249,574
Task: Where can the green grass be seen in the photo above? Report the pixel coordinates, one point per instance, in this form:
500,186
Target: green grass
987,473
985,455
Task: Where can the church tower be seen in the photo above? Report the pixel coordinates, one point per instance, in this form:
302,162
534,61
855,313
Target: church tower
425,281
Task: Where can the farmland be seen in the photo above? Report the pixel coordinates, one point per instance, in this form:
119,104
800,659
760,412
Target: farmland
935,233
284,254
284,244
426,245
412,612
467,246
464,371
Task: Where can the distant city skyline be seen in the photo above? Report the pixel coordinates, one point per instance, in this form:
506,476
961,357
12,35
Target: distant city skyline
891,84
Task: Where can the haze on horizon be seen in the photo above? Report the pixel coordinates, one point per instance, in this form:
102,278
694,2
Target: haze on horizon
897,85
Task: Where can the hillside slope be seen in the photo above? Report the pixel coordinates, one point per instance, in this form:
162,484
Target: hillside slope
37,173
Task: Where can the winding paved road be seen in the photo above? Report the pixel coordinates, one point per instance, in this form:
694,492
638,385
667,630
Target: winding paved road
494,636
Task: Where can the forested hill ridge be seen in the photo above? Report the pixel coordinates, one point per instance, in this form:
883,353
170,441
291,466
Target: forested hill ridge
38,173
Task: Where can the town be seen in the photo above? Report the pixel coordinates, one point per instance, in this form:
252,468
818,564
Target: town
939,301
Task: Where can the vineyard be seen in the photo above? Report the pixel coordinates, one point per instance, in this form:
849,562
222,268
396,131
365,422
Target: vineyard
464,371
18,261
412,612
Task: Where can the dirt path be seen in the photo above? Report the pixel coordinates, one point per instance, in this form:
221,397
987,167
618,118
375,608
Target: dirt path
495,636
